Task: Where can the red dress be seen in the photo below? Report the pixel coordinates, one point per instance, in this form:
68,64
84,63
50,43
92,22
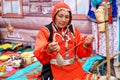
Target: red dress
67,72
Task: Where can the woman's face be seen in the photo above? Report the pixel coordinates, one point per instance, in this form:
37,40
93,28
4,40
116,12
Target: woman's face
62,19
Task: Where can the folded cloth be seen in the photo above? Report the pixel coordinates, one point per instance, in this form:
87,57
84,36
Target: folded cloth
21,74
90,61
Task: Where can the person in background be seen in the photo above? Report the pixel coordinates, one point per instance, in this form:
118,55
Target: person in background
99,43
65,48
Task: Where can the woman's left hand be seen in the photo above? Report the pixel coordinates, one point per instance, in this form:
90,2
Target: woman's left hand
89,39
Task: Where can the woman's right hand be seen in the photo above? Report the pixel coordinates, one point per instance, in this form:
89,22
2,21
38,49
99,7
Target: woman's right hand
53,47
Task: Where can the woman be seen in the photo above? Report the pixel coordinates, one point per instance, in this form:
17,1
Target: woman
65,48
99,44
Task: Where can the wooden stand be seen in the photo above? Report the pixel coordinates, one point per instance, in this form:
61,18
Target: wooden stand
107,42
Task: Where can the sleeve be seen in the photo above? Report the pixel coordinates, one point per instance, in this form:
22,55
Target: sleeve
41,45
82,51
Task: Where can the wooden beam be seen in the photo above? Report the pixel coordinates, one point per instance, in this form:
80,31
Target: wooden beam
116,54
107,42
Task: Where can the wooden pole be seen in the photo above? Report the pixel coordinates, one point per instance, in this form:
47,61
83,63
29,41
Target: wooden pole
116,54
107,42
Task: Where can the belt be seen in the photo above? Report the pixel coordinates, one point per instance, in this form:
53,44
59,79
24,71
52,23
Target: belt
65,62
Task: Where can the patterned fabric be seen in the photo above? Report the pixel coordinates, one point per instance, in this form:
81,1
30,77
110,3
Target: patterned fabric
118,4
29,72
92,77
95,33
99,44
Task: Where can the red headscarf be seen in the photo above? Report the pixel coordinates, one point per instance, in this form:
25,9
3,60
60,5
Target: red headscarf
60,6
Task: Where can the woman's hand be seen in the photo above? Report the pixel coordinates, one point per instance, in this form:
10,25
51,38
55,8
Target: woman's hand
89,39
53,47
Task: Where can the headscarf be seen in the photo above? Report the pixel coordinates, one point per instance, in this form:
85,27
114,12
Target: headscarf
58,7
